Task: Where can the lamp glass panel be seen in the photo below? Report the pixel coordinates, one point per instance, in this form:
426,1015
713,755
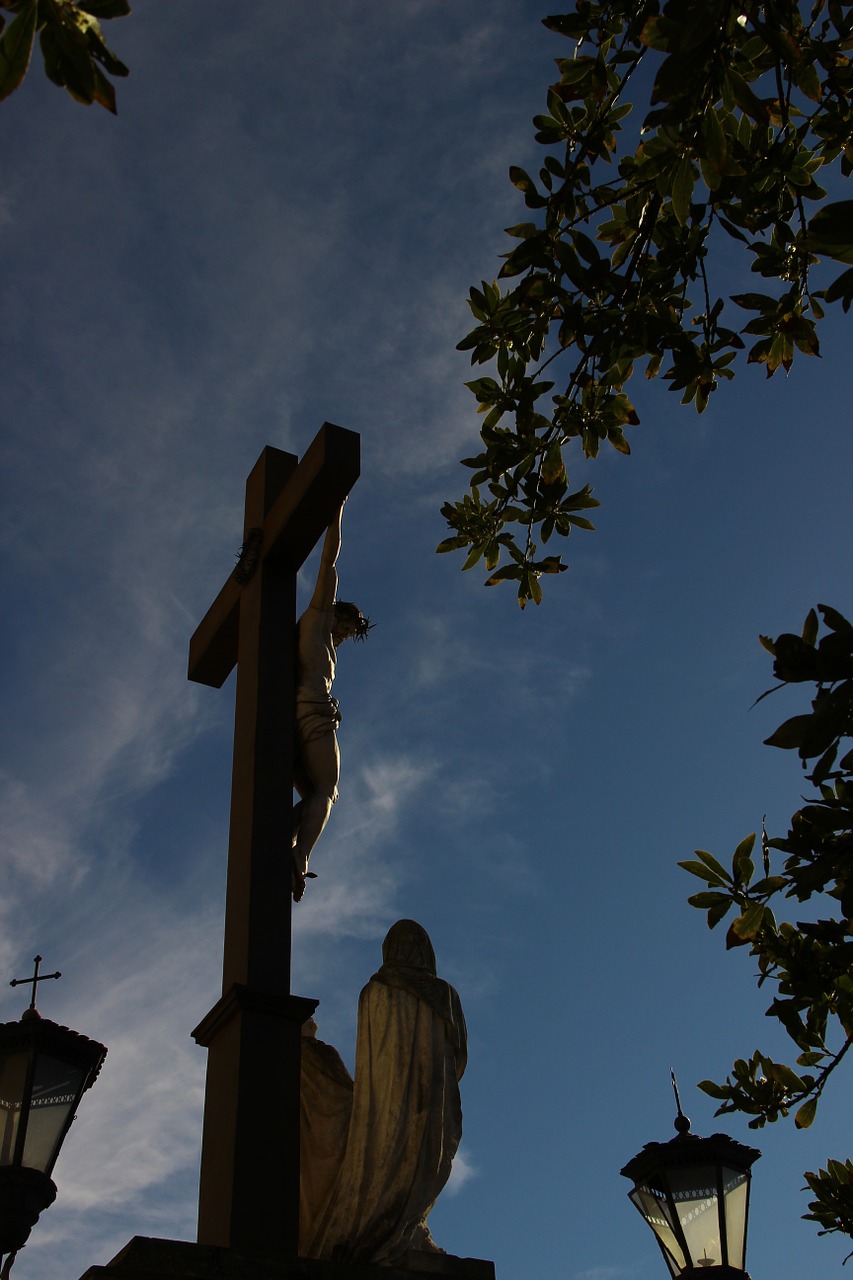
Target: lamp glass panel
56,1089
736,1192
13,1081
656,1212
694,1191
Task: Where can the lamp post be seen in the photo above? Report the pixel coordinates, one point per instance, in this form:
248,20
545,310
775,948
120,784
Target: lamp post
44,1071
694,1194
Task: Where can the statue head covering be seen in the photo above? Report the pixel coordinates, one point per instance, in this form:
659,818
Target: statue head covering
410,966
408,943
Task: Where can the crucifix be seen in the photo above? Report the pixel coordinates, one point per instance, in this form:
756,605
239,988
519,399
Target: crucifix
249,1184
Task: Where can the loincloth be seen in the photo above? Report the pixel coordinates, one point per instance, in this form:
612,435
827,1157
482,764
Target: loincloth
315,717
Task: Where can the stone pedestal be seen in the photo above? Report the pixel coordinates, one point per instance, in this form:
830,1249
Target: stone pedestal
147,1259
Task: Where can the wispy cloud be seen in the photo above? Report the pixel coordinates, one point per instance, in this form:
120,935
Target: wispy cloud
138,971
359,870
462,1172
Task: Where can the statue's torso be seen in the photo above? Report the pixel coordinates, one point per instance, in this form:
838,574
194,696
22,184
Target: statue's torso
316,654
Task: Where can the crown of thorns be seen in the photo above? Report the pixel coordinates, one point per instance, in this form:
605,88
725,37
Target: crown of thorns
361,624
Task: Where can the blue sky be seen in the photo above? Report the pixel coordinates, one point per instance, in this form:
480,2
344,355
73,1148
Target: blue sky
280,228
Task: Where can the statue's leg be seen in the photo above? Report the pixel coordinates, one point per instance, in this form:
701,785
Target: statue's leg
321,767
296,822
301,786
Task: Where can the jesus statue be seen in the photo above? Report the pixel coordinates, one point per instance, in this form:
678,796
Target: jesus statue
316,768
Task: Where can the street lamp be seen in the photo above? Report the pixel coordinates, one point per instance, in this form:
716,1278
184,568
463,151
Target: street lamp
694,1194
44,1071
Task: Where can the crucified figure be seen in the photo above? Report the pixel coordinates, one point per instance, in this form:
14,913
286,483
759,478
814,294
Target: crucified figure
316,768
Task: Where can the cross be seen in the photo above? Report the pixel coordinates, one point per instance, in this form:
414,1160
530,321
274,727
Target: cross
249,1185
35,979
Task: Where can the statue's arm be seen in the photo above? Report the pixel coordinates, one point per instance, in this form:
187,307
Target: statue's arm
326,589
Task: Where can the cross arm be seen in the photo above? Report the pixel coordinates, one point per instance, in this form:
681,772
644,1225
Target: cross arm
299,516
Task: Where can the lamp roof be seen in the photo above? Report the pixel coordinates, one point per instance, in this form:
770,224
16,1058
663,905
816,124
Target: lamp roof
689,1149
50,1037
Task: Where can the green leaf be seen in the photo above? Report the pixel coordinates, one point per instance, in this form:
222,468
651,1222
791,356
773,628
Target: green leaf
718,911
709,898
830,231
835,620
742,865
452,544
553,469
102,91
704,873
682,190
654,35
811,1059
756,108
715,149
770,885
806,78
713,865
783,1075
16,48
841,288
519,178
810,627
509,572
714,1090
574,69
755,302
806,1114
748,925
791,733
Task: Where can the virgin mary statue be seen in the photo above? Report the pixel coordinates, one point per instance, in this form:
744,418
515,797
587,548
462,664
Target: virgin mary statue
406,1120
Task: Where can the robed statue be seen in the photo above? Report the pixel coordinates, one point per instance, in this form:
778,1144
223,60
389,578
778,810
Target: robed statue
406,1118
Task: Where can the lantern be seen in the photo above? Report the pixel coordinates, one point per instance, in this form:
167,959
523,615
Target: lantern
694,1194
44,1071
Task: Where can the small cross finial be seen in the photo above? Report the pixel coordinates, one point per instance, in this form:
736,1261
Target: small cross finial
35,980
682,1124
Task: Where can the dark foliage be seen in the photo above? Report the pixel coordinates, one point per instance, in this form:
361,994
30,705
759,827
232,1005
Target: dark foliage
747,107
72,44
809,963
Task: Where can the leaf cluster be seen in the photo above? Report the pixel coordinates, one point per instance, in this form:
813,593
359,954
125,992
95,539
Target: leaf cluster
809,963
72,43
833,1203
747,105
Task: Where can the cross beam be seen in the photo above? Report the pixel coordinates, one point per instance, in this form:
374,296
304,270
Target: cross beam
249,1187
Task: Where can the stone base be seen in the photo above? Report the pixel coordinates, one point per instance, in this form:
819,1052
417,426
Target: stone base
147,1259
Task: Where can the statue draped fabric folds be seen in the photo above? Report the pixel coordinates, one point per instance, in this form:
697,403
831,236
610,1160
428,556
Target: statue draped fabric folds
406,1118
326,1106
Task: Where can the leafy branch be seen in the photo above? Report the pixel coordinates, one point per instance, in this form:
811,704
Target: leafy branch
809,962
746,104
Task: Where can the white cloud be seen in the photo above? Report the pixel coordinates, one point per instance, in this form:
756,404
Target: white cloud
358,869
139,972
390,784
461,1173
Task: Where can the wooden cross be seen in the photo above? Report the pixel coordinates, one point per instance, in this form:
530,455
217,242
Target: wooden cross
249,1186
